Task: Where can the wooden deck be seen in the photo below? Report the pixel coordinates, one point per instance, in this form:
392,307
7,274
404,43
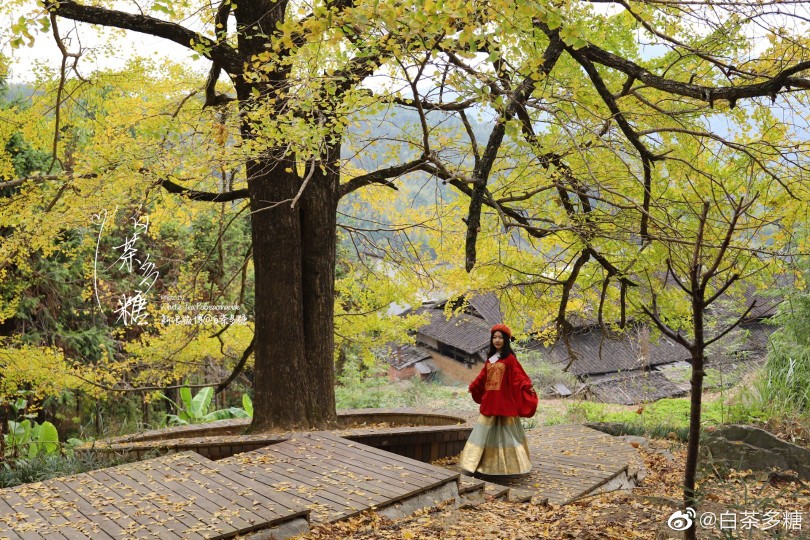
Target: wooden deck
336,478
317,476
180,496
571,461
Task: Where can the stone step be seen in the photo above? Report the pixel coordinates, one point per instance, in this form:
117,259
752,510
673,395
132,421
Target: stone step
520,495
470,491
467,484
496,491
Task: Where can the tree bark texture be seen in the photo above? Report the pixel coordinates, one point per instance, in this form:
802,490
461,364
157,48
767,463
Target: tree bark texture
294,261
319,239
294,265
294,246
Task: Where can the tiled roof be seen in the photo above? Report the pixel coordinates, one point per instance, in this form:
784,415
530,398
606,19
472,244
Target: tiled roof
402,356
464,332
766,301
488,306
633,387
671,380
596,353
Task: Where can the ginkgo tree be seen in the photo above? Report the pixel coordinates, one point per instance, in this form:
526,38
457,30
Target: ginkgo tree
51,246
313,208
616,185
593,111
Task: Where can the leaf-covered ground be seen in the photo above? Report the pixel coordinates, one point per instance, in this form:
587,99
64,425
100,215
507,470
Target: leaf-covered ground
640,514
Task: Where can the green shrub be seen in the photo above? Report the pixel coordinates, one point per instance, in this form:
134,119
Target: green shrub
30,439
197,409
786,385
544,373
46,466
361,387
663,416
652,431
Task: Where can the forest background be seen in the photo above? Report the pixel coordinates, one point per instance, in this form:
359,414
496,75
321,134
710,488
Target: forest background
627,164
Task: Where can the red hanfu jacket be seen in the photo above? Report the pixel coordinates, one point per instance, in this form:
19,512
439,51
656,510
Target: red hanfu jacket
503,389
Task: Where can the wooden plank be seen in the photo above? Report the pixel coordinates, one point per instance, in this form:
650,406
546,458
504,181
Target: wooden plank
368,464
6,532
308,474
233,490
128,500
33,523
191,513
329,496
313,473
184,512
143,509
207,526
64,514
5,514
99,495
209,495
415,488
388,467
327,461
289,506
347,481
322,509
110,518
605,457
369,467
101,526
410,464
584,475
584,464
407,463
292,506
568,471
36,495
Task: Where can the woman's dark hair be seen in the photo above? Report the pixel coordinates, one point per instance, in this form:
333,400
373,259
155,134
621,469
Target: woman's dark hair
506,350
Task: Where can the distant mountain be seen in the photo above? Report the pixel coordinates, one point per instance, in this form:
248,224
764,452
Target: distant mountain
392,137
380,133
15,91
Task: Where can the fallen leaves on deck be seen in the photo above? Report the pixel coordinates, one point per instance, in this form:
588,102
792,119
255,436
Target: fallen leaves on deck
620,515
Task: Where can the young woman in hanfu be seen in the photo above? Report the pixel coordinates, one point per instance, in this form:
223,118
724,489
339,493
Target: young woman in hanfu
497,444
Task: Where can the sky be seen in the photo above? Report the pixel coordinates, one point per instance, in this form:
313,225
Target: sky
79,35
129,43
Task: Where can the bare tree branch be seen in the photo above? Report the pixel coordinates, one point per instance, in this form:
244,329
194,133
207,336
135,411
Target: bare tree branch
222,53
380,176
770,87
731,327
194,195
238,367
221,28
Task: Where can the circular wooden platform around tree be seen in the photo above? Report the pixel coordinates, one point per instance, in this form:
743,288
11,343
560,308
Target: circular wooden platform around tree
291,481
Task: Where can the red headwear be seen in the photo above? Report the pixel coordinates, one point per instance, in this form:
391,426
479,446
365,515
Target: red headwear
502,328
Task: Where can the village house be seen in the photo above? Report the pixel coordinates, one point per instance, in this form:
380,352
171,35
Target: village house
634,366
453,347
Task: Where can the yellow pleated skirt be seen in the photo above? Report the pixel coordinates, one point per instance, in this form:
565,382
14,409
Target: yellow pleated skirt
496,446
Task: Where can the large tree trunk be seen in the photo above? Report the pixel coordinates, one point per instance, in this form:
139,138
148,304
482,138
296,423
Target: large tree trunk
294,263
294,259
319,237
279,353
